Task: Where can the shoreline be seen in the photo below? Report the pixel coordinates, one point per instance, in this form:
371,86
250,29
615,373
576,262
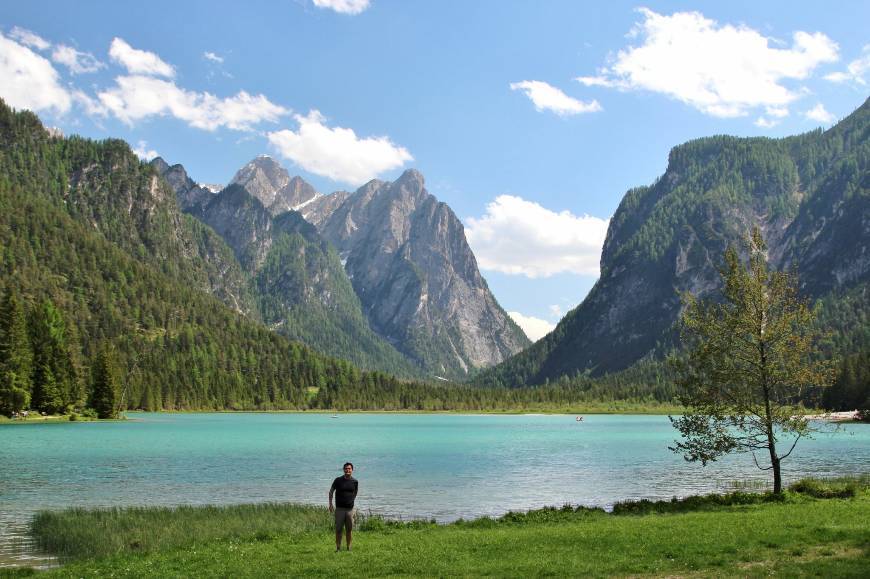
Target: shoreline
848,416
99,541
840,416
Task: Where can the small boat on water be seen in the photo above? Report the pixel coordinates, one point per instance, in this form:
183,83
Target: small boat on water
334,416
579,419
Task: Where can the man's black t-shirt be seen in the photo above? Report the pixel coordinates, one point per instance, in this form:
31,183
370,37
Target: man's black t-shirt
345,492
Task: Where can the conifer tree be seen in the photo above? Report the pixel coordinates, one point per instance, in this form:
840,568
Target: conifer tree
55,380
47,395
16,357
105,388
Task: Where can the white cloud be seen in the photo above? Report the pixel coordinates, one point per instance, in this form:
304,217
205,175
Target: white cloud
520,237
855,71
556,311
213,57
143,152
92,106
343,6
766,123
534,328
721,70
28,38
139,61
77,62
549,98
29,81
137,97
777,112
337,153
772,117
820,114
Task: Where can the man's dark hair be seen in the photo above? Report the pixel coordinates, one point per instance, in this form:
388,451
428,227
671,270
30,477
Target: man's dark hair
347,464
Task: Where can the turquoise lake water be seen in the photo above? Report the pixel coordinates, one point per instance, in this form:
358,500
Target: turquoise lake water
431,466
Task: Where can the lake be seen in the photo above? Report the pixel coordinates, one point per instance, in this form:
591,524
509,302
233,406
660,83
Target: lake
441,466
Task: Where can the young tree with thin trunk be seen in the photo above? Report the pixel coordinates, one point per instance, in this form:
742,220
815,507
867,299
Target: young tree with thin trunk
748,367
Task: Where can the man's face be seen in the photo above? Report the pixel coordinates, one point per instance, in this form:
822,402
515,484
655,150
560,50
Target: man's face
348,470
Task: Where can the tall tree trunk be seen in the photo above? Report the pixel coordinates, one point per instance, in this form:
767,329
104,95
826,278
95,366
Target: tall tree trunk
777,477
771,438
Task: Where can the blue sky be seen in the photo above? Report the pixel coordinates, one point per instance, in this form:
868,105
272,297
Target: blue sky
530,119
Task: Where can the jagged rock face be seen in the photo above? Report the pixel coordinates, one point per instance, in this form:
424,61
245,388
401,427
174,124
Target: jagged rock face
417,278
189,193
268,181
299,283
807,194
262,177
293,196
412,271
242,221
322,206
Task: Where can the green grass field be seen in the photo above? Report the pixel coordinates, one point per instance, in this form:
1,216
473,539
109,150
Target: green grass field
806,533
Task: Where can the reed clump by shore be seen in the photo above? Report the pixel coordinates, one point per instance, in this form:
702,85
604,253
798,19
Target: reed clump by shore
92,533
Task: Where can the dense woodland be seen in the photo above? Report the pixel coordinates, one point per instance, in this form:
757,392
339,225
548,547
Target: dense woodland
105,303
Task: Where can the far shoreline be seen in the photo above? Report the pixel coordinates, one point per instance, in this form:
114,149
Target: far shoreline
849,417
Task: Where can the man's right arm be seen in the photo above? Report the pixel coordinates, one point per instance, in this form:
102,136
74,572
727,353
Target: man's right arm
331,491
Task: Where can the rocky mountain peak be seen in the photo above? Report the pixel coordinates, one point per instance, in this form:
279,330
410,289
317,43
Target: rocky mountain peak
190,195
268,181
159,164
416,277
263,177
295,195
412,180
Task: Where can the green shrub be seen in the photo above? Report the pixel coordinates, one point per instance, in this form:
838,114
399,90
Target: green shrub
693,503
826,489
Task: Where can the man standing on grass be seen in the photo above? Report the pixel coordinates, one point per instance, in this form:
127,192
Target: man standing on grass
345,489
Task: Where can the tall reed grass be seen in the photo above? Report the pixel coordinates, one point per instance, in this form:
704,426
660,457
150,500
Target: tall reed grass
95,533
89,533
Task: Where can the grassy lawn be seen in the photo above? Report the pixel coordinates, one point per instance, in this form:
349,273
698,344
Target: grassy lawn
738,535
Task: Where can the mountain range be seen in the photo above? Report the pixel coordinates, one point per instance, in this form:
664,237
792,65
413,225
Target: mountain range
382,277
810,196
198,288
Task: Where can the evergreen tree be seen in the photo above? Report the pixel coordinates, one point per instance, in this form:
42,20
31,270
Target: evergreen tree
55,380
16,357
851,391
47,395
105,386
748,365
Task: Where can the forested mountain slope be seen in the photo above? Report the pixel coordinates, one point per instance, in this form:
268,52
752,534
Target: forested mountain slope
298,283
89,229
810,195
403,294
